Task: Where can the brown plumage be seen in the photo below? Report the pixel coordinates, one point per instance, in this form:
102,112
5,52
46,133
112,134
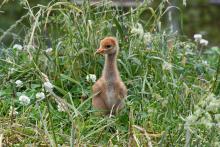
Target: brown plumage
109,90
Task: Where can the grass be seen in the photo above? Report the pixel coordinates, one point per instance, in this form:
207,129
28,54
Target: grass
168,76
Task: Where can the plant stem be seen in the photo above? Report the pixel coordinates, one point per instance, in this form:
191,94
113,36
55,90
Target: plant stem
214,86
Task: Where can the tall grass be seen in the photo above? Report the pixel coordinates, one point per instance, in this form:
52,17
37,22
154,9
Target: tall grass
166,75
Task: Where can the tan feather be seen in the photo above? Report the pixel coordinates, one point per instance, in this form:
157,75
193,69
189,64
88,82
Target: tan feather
110,88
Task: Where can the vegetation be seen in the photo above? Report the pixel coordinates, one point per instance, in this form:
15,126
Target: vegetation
173,81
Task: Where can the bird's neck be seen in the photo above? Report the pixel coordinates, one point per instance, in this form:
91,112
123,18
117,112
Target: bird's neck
110,71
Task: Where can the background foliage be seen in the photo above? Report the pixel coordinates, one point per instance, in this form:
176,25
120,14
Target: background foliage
199,16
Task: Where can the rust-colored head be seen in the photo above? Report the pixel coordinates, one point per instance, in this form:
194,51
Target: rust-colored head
108,45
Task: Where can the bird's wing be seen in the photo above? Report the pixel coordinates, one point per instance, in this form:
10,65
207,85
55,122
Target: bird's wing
97,87
122,90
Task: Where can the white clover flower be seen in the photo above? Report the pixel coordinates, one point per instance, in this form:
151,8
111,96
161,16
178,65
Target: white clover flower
91,77
147,37
19,83
13,112
138,30
48,86
49,50
184,2
204,62
90,23
204,42
167,66
40,95
60,107
197,37
11,70
24,100
18,47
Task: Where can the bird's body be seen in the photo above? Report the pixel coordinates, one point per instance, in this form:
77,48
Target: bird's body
109,90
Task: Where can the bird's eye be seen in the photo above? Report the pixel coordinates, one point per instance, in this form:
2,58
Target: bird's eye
108,46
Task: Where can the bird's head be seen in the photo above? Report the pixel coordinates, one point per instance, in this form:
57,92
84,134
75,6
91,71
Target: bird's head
108,45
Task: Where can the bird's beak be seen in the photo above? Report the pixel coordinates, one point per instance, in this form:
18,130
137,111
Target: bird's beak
99,51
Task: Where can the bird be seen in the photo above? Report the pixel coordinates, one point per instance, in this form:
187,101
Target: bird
109,90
